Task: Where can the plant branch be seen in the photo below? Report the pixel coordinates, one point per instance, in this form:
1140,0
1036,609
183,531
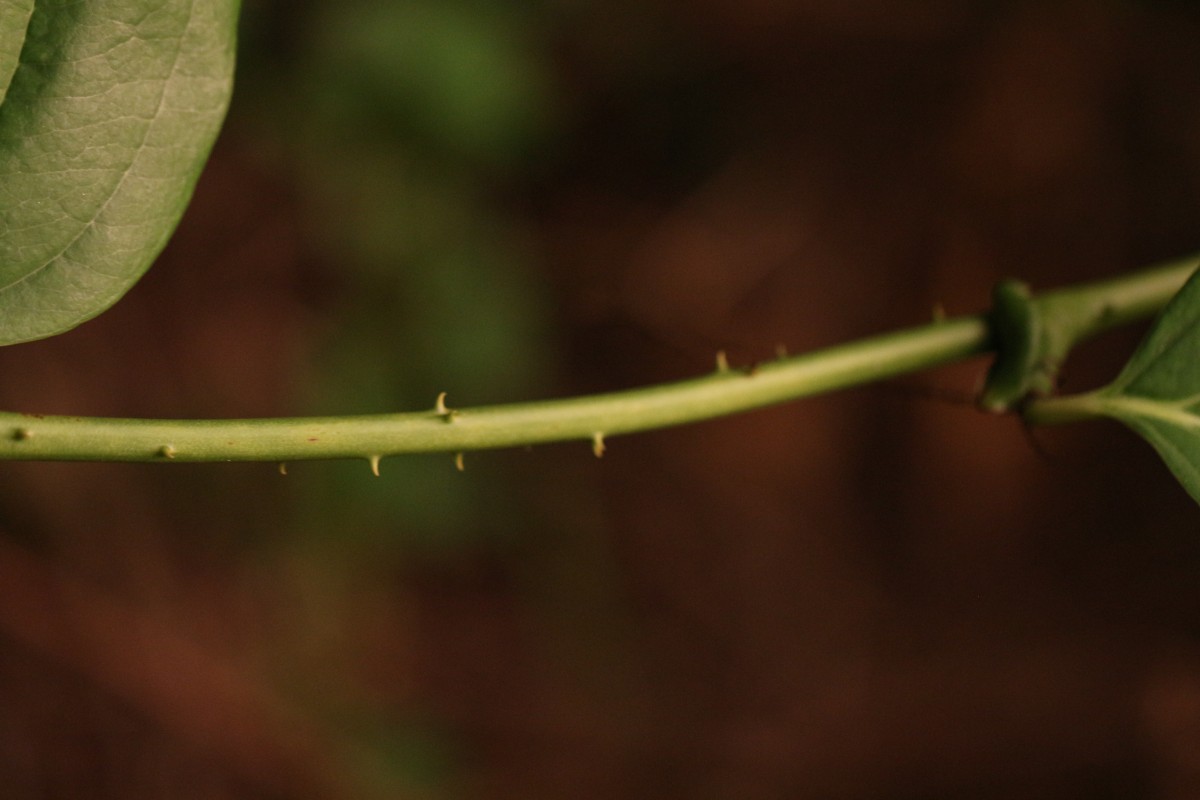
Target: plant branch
1095,307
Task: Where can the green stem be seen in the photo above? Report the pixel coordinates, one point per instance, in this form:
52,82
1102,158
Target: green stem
1034,335
1087,310
726,391
1063,410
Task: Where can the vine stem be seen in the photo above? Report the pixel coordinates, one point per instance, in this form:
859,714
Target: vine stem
591,419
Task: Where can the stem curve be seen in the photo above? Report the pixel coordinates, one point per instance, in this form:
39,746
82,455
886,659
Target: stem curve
1095,307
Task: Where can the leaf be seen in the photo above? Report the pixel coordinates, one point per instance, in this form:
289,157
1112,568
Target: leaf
1157,394
107,121
14,19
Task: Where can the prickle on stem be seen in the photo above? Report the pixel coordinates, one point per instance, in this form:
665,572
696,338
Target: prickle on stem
442,410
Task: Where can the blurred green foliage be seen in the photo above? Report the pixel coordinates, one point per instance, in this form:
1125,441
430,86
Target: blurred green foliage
403,123
407,127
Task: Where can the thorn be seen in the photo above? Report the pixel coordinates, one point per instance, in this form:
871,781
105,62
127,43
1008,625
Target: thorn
781,351
458,462
598,444
283,468
939,312
22,434
374,464
167,451
442,411
722,361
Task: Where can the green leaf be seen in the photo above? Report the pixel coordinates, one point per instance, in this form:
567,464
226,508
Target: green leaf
1157,394
107,121
14,19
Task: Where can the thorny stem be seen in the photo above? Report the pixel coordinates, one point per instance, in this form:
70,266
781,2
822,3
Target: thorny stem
589,419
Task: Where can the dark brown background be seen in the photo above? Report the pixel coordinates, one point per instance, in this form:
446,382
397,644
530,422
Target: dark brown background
878,594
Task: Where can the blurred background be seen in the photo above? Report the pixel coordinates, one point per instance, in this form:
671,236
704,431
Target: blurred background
877,594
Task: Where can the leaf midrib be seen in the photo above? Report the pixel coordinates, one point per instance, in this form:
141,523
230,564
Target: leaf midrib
1173,412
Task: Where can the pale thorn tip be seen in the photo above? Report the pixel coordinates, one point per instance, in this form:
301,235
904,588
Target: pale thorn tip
374,464
458,462
283,468
167,451
442,410
21,434
722,361
598,444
